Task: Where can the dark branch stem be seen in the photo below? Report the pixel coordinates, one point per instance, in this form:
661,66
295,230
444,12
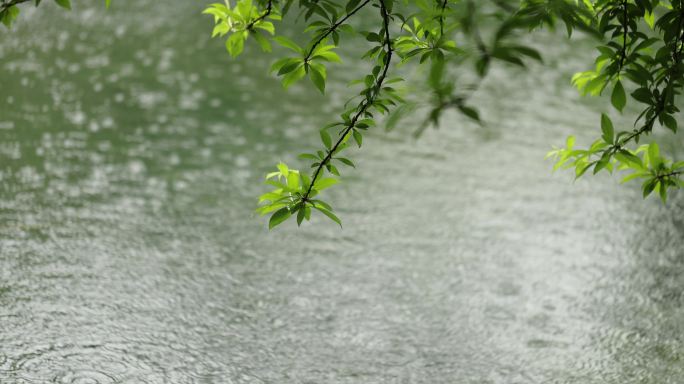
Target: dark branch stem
625,29
670,174
333,28
441,18
363,107
6,5
269,9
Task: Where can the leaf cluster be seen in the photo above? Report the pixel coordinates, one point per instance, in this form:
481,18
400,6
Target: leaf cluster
643,54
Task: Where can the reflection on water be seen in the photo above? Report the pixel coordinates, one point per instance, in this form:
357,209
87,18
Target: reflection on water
131,150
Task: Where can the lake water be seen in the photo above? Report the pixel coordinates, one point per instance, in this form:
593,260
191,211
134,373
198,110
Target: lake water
131,153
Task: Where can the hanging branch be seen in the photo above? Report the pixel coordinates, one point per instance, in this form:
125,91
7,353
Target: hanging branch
364,105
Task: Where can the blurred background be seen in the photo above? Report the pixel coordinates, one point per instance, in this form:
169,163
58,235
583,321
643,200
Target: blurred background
132,150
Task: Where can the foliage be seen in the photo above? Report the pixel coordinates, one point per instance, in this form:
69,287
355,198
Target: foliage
641,49
644,47
639,60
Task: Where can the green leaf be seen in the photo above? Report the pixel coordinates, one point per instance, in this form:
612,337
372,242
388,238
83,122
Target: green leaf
263,41
306,180
346,161
669,122
482,65
64,3
318,75
107,3
294,76
293,180
470,112
236,43
266,26
632,176
329,214
322,204
308,156
648,186
280,64
351,5
280,216
270,196
373,37
630,159
220,29
570,142
529,52
9,15
602,163
581,168
653,154
284,170
287,43
332,169
607,129
358,138
649,17
300,216
643,95
325,138
270,208
290,66
663,191
618,98
328,56
324,183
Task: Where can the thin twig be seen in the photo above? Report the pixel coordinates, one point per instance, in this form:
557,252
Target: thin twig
269,9
332,29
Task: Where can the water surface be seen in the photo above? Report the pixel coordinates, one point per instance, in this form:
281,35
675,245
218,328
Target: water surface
131,152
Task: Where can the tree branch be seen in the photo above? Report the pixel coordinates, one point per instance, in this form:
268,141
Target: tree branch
441,18
269,9
332,29
363,107
625,29
6,5
671,76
